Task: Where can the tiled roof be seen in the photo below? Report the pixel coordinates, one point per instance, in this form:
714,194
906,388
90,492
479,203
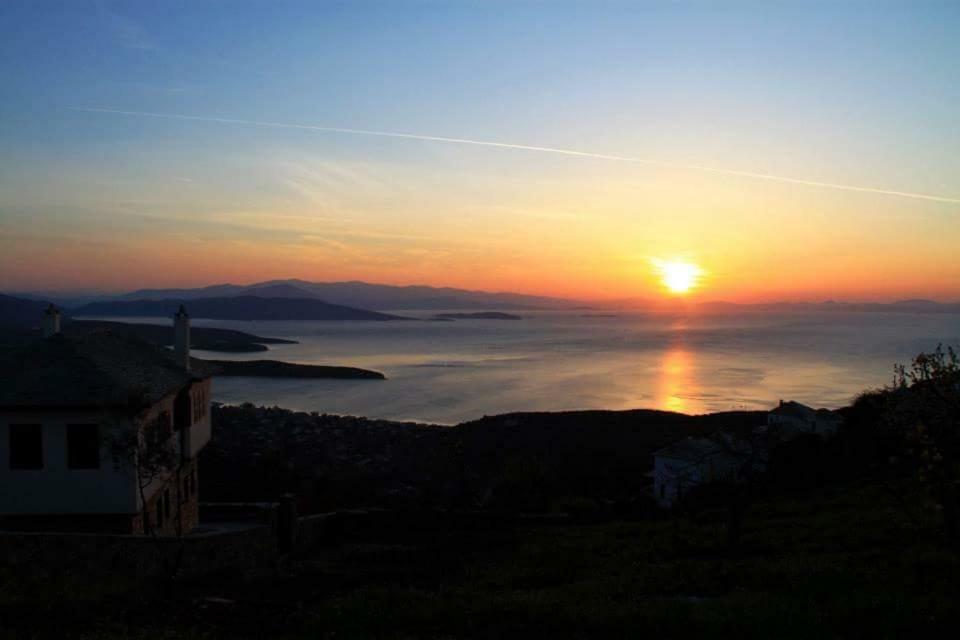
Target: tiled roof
94,370
691,449
791,408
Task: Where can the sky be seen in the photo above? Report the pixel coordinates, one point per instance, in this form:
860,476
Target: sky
790,151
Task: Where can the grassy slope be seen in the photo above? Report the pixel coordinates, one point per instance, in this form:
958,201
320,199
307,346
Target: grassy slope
844,562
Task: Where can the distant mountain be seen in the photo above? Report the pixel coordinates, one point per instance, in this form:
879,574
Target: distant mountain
675,305
365,295
243,307
900,306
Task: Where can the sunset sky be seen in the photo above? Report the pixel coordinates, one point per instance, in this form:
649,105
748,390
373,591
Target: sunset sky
668,105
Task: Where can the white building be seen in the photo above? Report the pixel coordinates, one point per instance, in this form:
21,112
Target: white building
65,403
692,462
791,419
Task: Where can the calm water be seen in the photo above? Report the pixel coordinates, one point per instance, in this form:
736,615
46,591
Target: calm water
452,371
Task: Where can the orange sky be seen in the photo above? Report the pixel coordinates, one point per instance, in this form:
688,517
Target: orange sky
453,148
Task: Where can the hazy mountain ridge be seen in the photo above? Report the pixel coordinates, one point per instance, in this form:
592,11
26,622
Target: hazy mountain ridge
366,295
381,297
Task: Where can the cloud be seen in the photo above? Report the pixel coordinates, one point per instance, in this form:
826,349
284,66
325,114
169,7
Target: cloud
125,32
533,148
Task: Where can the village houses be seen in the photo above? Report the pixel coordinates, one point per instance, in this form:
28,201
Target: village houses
692,462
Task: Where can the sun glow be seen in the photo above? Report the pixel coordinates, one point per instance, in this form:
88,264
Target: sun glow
677,276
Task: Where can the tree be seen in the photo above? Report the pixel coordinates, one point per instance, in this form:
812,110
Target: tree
149,450
731,466
925,409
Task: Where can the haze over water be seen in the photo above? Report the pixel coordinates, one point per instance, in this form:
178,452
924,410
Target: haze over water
449,372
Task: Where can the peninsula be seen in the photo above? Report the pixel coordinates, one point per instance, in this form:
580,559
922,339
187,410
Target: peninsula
479,315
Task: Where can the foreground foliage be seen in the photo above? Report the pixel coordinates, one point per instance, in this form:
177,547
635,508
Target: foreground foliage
843,562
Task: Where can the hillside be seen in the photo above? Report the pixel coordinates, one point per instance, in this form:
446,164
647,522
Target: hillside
530,461
20,313
234,308
203,338
529,525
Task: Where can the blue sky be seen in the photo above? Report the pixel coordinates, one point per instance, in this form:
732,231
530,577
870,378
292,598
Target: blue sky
859,93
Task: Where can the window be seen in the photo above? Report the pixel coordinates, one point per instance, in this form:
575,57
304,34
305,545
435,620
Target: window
200,405
165,423
83,446
159,518
26,446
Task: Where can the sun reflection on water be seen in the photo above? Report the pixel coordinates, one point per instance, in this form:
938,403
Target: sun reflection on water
676,379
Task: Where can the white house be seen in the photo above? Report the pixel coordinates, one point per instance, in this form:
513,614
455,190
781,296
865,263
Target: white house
65,403
791,419
692,462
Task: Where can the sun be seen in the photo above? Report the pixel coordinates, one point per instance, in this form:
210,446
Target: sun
677,276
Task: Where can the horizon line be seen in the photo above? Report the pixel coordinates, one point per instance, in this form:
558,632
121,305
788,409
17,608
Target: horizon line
534,148
638,301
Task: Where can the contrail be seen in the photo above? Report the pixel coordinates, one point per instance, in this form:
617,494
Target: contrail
525,147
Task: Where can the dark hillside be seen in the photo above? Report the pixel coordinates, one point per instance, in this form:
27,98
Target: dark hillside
521,461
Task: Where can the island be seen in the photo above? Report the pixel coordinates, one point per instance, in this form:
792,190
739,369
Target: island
277,369
480,315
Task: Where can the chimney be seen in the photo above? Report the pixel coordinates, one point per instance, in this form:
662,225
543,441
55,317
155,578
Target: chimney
181,337
51,321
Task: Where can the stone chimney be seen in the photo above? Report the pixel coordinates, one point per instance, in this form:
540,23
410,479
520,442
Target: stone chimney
51,321
181,337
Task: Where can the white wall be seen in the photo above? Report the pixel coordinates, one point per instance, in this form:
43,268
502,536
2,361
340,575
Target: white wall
55,489
674,478
198,435
671,476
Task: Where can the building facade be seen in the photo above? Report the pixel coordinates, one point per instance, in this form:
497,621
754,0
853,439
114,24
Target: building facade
101,432
689,463
791,419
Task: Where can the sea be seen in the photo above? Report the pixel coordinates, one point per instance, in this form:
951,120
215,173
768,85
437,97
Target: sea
450,372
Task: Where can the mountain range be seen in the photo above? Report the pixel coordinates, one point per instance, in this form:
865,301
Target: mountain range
361,301
365,295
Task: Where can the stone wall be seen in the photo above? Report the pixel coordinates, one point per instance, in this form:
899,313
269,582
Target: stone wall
46,554
234,536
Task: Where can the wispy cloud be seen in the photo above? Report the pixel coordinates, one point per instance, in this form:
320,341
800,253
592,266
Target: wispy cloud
126,32
524,147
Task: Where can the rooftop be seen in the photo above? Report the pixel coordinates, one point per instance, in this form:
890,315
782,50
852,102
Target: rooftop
791,408
101,369
691,449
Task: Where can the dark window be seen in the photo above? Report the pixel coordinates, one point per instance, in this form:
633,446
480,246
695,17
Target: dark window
83,446
165,423
26,446
182,410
